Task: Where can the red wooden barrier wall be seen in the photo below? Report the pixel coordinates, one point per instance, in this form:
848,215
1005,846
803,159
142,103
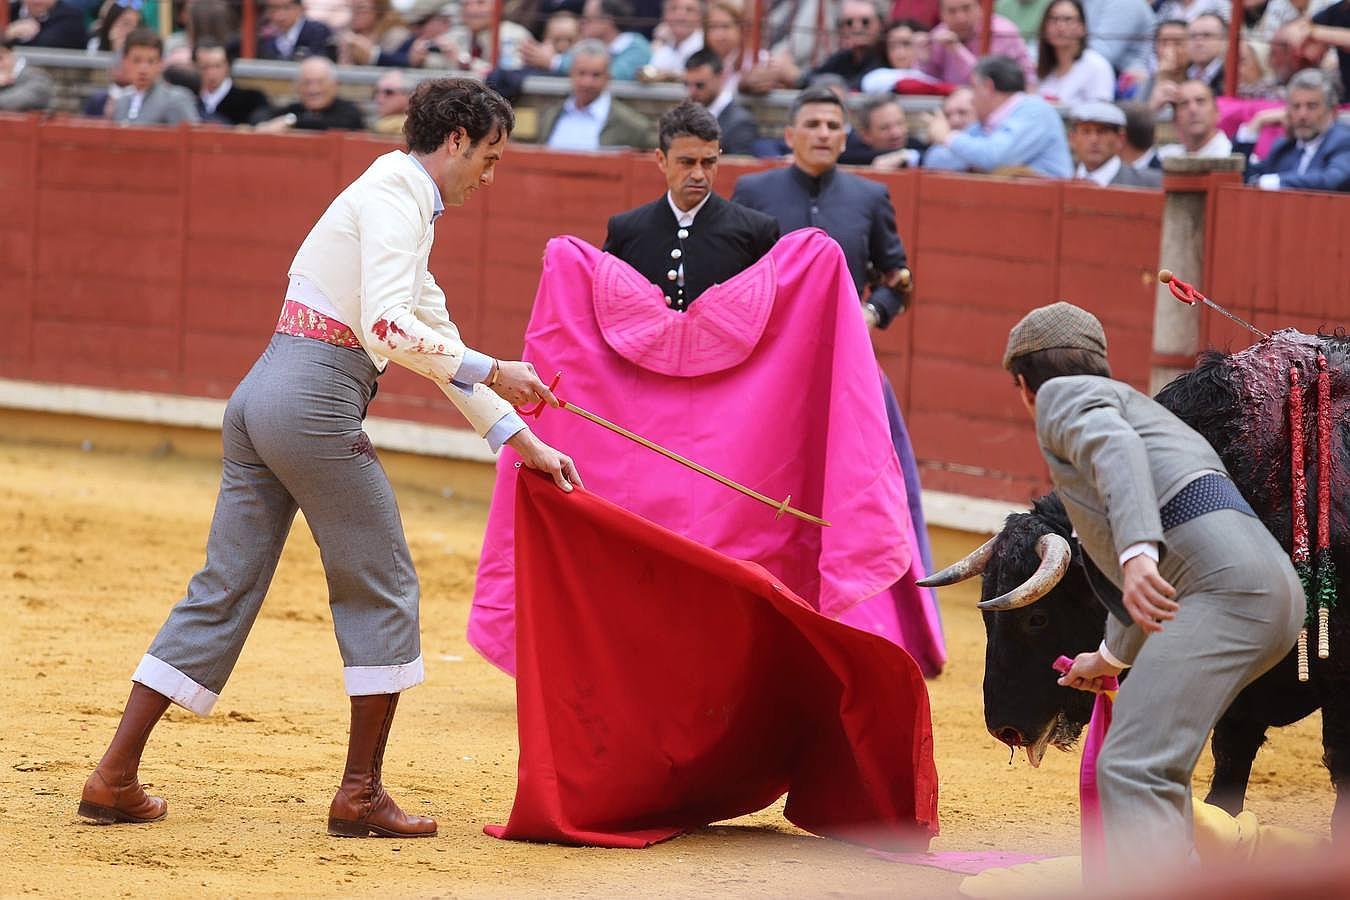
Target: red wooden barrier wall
156,260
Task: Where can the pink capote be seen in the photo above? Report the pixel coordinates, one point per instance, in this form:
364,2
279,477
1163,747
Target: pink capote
768,379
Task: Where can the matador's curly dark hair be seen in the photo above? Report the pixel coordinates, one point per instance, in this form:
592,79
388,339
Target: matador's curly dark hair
439,106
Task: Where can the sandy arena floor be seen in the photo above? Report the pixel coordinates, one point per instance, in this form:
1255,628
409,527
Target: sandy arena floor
97,544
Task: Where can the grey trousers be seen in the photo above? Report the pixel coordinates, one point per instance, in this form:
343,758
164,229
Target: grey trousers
1241,607
293,439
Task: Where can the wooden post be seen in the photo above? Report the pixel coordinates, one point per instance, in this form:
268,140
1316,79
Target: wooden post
166,18
248,30
4,15
1234,60
987,25
756,11
820,37
495,54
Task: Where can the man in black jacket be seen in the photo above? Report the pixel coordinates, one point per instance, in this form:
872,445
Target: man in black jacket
220,99
706,86
46,23
689,239
812,192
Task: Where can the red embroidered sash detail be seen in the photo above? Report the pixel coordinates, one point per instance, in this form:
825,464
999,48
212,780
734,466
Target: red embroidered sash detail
299,320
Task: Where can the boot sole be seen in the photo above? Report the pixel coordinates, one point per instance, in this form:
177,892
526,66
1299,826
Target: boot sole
344,828
107,815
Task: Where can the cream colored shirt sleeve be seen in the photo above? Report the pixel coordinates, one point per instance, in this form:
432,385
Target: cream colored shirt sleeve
415,337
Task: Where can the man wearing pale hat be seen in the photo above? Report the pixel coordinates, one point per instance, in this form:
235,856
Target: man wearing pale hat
1209,600
1095,136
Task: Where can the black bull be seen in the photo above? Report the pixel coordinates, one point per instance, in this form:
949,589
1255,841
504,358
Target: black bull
1238,403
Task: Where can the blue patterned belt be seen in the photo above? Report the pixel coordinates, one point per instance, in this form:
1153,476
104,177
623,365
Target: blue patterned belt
1205,494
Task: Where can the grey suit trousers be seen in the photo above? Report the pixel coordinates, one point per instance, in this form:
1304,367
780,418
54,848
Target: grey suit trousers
293,439
1241,607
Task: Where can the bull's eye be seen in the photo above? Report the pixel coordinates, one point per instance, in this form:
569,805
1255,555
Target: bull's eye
1037,621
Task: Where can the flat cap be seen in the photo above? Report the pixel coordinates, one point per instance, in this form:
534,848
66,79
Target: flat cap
1099,111
1057,326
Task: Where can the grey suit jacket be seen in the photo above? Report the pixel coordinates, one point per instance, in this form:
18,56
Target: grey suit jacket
32,89
1129,176
164,104
1115,456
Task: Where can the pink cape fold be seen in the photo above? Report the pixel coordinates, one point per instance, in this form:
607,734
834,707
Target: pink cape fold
768,379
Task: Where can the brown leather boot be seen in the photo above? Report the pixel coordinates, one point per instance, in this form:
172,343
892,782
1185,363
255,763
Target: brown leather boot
113,793
361,807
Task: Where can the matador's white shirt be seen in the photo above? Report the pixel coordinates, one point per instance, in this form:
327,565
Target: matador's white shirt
368,256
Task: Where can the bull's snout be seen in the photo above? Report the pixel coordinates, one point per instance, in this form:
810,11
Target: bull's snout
1010,736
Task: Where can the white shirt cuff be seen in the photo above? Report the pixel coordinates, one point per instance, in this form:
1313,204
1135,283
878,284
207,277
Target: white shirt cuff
506,428
1269,182
1143,548
1246,134
474,368
1110,657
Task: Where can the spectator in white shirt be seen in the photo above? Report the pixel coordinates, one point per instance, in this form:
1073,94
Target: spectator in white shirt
1069,71
1196,114
590,118
678,37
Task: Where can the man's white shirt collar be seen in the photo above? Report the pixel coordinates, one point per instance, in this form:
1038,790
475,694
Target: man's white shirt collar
1104,174
292,36
211,99
722,101
597,109
686,218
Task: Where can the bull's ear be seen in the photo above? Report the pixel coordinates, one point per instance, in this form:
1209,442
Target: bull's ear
973,564
1055,555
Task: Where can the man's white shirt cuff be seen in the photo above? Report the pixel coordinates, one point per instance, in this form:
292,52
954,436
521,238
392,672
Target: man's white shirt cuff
1269,182
1111,657
1143,548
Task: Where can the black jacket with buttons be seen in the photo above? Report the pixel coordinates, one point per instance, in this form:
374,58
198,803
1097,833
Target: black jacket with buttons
724,239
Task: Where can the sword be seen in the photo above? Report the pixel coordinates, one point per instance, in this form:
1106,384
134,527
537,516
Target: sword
783,507
1187,294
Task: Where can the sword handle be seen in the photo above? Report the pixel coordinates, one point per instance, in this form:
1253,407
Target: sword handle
536,411
1183,291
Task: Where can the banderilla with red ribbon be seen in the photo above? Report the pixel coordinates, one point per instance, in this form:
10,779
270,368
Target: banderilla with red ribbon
781,507
1188,294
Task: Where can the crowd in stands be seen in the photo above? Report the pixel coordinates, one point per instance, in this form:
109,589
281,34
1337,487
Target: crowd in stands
1061,81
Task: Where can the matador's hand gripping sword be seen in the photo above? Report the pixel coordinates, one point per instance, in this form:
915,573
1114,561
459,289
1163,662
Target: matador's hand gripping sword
783,507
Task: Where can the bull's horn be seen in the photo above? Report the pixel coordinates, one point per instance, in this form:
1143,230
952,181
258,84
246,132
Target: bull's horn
1055,555
974,564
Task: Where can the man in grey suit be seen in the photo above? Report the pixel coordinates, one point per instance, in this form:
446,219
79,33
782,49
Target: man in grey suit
22,87
151,101
1209,600
1096,135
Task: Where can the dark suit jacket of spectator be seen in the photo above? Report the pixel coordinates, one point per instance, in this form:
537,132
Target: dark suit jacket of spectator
858,152
1328,170
63,27
314,39
725,239
625,127
739,129
844,64
341,115
241,106
1129,176
854,211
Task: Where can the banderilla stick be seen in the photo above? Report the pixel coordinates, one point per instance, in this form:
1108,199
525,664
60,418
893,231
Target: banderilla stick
1187,294
782,507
